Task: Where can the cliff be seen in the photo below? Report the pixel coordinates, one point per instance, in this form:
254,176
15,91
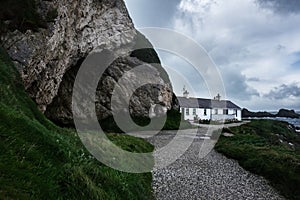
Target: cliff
49,56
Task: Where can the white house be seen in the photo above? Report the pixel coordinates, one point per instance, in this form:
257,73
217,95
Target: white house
209,109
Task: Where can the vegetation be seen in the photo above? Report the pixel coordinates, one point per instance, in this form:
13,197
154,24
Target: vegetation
268,148
173,122
41,161
22,15
51,15
217,122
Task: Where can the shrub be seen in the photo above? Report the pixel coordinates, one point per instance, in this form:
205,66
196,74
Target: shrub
172,123
21,15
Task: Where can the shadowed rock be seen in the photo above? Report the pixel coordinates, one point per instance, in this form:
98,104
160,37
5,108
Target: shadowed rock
48,59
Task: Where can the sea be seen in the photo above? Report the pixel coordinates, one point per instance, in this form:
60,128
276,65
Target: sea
295,122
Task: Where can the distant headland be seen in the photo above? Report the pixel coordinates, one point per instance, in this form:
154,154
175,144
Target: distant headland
281,113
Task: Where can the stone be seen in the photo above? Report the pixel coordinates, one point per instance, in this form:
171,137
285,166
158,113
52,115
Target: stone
48,59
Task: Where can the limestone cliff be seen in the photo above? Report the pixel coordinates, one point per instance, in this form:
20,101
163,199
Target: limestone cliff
49,58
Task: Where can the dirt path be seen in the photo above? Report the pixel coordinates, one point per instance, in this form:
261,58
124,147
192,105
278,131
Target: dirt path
211,177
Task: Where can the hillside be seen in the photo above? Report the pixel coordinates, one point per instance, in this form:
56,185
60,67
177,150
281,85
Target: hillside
39,160
267,148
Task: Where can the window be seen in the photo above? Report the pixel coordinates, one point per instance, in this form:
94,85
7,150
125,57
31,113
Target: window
194,111
225,112
236,113
205,112
187,111
215,111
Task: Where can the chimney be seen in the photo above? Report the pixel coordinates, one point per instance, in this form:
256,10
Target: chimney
218,97
185,92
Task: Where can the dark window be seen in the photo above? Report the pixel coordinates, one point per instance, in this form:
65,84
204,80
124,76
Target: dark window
215,111
194,111
205,112
187,111
225,112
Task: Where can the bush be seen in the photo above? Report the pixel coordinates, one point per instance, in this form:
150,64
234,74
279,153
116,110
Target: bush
21,14
172,123
216,122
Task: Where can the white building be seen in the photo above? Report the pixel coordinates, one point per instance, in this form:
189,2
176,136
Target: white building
209,109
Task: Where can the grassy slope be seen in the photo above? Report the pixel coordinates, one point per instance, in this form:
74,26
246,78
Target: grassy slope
173,122
257,148
41,161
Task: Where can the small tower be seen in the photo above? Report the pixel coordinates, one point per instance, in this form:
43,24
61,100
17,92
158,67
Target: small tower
218,97
185,92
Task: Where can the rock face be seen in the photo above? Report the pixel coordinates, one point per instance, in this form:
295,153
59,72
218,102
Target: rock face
49,59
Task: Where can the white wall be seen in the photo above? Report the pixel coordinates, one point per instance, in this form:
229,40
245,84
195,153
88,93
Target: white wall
189,116
199,113
239,115
210,114
233,114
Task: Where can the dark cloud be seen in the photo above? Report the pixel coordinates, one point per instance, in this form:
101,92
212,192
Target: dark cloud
281,6
284,91
253,79
236,86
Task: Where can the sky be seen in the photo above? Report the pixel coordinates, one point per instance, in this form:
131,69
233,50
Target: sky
255,45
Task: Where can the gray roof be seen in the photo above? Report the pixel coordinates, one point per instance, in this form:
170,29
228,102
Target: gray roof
205,103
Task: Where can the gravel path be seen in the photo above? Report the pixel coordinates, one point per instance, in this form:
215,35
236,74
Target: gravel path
211,177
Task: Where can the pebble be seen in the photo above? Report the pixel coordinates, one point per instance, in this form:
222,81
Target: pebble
211,177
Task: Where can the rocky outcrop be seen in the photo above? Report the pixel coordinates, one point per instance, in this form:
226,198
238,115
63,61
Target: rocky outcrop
60,110
281,113
246,113
48,59
287,113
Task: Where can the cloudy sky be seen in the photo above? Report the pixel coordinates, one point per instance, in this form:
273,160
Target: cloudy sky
255,44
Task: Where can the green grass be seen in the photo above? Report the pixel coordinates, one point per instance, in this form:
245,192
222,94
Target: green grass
39,160
257,148
173,121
